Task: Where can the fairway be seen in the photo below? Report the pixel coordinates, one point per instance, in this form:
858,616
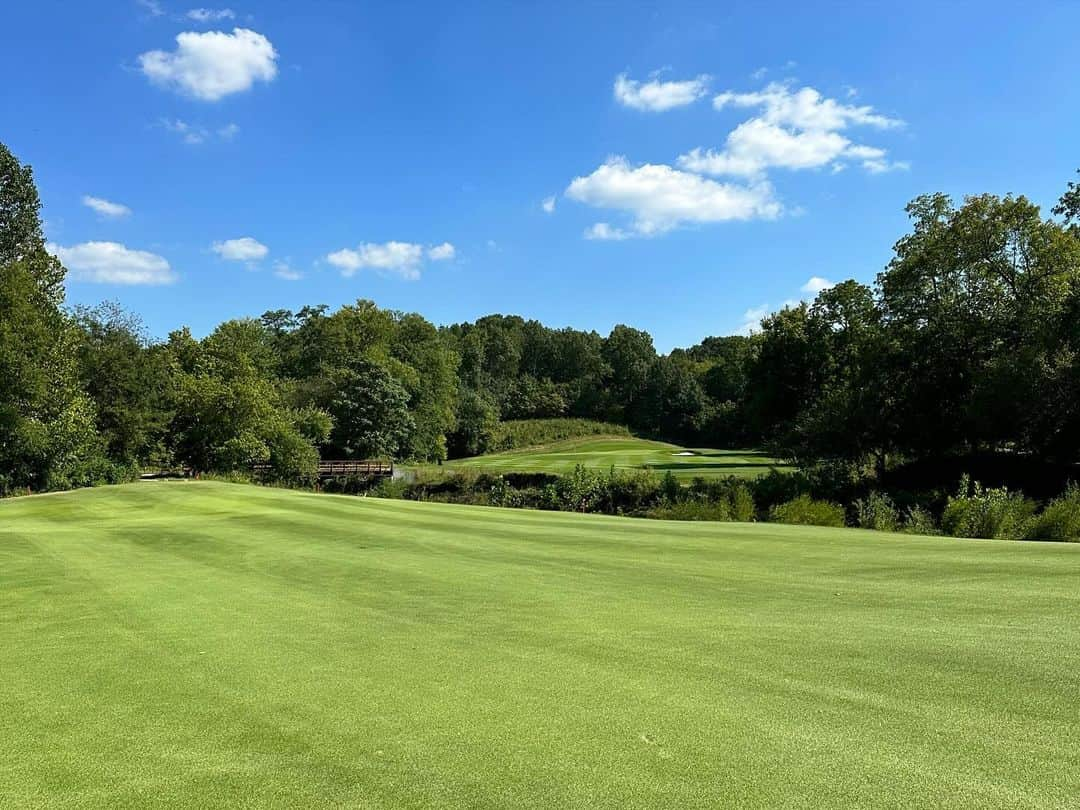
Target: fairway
625,453
197,644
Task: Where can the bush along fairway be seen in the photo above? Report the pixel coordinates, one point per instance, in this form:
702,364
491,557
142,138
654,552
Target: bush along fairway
200,644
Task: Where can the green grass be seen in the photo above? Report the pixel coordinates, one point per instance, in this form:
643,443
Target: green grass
625,453
206,644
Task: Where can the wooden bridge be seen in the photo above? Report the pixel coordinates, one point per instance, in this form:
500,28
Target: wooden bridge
345,467
333,469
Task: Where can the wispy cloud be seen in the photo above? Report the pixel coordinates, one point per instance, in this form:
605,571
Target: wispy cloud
795,128
403,259
106,208
152,7
285,271
656,95
209,15
197,134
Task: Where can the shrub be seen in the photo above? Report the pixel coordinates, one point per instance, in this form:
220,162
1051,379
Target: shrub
692,510
581,490
1060,520
987,513
391,488
805,511
743,508
502,494
97,470
731,492
877,511
776,487
630,491
350,484
919,521
670,489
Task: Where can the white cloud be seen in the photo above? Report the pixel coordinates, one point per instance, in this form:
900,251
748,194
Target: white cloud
152,7
796,129
603,231
660,198
548,204
804,108
751,320
882,166
441,253
244,249
400,258
206,15
113,263
211,65
196,134
105,208
283,271
816,284
657,96
754,146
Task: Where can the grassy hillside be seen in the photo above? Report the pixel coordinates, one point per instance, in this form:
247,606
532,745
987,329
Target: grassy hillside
200,644
625,452
516,433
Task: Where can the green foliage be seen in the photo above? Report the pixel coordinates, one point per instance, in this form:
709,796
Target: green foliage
22,241
534,432
630,491
877,511
47,434
370,410
743,508
1060,519
670,489
806,511
918,520
477,425
390,488
581,490
731,496
130,382
230,416
692,510
976,511
967,343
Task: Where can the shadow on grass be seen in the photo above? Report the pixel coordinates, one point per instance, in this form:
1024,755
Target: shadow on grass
686,467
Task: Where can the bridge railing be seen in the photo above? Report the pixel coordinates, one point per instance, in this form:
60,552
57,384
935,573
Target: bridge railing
344,467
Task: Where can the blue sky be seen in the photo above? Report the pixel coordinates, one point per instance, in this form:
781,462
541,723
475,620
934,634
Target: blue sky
279,153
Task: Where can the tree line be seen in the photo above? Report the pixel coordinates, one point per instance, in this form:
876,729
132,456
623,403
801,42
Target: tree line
968,341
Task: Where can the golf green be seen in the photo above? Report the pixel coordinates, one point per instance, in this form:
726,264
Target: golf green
198,644
626,453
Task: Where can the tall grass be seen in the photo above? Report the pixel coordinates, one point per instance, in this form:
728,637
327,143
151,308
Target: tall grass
531,432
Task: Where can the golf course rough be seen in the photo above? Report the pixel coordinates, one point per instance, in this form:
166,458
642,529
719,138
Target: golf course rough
198,644
625,453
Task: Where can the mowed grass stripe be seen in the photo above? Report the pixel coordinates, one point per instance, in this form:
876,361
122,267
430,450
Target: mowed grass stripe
203,644
625,453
